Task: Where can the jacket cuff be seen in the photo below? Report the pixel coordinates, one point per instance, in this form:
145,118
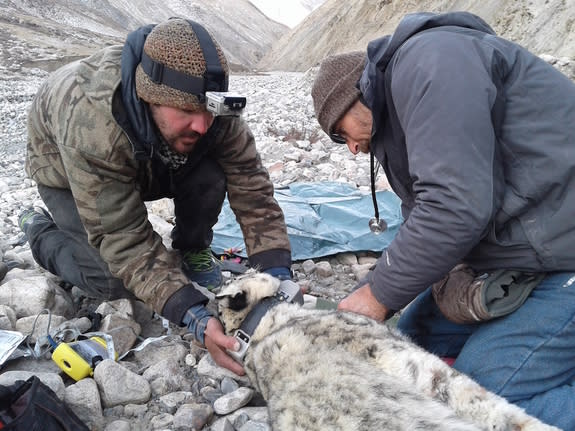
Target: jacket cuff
270,258
176,306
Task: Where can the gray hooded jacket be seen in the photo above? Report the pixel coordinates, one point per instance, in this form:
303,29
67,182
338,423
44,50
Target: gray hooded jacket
477,138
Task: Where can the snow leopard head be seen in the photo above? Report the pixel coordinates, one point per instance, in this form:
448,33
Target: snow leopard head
237,298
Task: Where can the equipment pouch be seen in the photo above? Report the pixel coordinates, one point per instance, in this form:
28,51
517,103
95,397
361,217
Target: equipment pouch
465,297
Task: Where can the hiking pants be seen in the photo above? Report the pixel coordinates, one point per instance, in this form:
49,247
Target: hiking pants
527,357
61,246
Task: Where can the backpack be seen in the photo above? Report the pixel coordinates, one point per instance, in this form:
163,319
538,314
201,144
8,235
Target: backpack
32,406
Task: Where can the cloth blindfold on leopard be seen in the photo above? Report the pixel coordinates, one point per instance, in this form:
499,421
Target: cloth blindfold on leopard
335,370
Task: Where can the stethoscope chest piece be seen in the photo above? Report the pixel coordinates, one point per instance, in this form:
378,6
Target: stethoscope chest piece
377,225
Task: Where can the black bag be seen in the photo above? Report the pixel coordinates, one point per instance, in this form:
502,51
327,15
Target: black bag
32,406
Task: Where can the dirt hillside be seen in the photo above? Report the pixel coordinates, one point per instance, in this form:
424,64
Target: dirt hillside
543,26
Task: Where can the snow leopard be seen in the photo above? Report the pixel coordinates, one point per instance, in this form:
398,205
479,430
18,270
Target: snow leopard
334,370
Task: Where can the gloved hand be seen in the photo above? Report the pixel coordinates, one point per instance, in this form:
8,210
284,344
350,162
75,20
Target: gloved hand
279,272
219,345
196,320
208,331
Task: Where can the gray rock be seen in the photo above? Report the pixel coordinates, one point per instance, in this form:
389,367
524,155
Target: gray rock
191,360
119,425
360,271
7,318
207,367
367,260
36,327
166,376
222,424
162,420
159,350
258,414
123,330
228,385
170,402
120,307
347,258
53,381
240,420
233,400
210,394
135,410
192,416
83,398
134,389
73,327
324,269
37,296
308,266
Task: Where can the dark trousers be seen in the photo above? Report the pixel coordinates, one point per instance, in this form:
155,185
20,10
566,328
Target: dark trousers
61,246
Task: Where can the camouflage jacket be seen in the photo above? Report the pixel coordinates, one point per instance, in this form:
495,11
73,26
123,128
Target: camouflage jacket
75,142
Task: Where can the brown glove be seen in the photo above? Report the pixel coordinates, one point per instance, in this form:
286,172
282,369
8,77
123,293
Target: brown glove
465,297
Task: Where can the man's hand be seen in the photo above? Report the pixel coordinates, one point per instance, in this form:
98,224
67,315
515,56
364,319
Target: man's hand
362,301
217,342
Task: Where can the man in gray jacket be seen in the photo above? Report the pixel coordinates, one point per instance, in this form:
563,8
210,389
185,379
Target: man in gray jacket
477,137
129,124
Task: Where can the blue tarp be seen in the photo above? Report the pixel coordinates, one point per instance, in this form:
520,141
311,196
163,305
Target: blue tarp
323,218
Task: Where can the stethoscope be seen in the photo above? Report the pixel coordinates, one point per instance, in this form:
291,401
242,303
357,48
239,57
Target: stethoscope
376,225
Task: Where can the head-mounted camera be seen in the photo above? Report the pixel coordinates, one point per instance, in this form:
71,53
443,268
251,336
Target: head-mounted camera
225,103
211,88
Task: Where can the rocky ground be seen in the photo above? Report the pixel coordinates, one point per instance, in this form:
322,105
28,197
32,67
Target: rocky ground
166,382
170,383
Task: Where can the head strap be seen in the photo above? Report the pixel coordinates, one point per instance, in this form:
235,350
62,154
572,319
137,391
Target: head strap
215,79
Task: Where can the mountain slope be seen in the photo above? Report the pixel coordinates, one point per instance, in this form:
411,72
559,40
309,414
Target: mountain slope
66,29
289,12
543,26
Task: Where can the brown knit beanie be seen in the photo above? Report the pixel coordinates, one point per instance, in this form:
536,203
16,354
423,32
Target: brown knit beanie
334,89
175,45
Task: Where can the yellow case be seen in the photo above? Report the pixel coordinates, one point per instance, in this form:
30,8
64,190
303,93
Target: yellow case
75,359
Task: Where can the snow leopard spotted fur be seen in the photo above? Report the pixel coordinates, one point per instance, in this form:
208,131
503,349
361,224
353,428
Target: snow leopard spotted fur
330,370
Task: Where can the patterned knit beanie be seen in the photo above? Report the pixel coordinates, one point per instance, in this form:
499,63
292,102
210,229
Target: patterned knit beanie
334,89
176,46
